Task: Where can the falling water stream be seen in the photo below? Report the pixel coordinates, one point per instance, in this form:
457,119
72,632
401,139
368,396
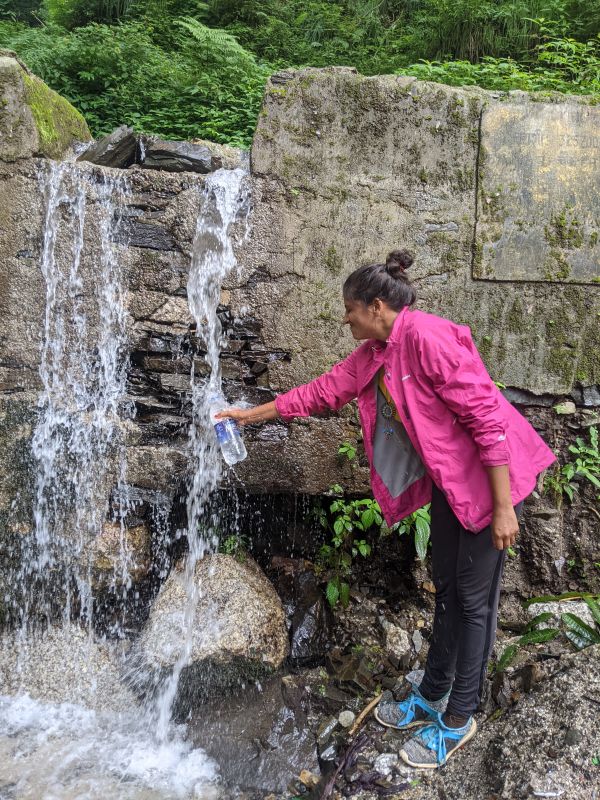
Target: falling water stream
84,734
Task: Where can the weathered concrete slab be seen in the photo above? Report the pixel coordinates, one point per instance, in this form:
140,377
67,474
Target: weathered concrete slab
346,168
538,200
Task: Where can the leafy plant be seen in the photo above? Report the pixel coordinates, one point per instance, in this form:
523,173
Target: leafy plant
419,525
235,545
586,464
578,632
348,450
347,519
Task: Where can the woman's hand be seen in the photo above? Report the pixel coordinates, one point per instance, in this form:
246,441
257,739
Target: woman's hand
240,415
505,527
248,416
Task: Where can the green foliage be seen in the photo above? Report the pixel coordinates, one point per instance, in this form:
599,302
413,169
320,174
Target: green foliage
75,13
209,87
557,63
347,450
578,632
586,465
188,69
234,545
29,11
351,523
419,525
346,521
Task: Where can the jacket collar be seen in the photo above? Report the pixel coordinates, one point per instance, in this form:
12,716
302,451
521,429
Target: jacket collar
395,336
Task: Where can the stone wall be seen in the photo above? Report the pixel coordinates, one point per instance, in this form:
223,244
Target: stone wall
343,169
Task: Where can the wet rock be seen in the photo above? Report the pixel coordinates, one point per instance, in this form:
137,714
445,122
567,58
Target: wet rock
118,555
118,149
38,666
238,627
541,544
417,639
346,719
326,728
260,741
309,616
385,763
170,156
591,396
223,154
135,233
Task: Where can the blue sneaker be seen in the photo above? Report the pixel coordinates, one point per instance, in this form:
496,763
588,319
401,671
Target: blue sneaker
433,745
409,713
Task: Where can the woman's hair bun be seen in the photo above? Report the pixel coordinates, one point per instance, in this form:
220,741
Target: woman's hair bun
397,261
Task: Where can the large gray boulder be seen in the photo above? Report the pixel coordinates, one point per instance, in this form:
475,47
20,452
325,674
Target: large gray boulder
238,627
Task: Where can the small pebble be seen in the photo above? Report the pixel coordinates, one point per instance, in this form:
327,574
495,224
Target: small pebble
417,638
385,763
346,718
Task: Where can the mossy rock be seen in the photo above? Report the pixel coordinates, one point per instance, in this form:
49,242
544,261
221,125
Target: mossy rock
34,119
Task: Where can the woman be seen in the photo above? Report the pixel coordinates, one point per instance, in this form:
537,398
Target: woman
436,428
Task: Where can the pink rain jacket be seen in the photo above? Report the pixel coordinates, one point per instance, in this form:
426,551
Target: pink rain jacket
453,413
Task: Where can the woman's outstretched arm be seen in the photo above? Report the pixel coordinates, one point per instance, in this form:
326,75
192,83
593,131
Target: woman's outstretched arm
247,416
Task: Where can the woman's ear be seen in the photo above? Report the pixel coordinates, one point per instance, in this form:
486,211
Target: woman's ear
376,307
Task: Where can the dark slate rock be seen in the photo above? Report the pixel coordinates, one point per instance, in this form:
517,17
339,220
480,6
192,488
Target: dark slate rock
525,398
144,234
118,149
176,156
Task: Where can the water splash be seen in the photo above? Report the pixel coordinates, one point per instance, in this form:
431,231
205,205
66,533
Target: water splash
225,202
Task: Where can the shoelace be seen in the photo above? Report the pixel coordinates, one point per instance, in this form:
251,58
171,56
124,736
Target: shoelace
434,738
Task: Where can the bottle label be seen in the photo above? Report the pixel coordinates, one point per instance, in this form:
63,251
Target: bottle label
222,432
226,430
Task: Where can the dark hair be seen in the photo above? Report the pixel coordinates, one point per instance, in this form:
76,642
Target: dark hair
386,281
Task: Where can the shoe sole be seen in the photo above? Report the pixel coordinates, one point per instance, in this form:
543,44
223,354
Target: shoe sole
469,735
416,724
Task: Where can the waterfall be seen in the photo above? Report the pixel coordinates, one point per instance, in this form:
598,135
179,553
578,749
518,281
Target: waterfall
78,444
225,202
114,747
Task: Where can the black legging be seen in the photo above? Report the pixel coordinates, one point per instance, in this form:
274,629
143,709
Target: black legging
467,572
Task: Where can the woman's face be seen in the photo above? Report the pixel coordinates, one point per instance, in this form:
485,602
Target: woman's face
361,319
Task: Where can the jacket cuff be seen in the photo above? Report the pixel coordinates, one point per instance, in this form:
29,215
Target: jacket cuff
494,456
282,404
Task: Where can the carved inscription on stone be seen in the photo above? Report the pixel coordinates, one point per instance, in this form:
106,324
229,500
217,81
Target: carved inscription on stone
538,203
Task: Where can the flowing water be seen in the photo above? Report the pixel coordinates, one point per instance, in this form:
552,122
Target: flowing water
225,202
69,727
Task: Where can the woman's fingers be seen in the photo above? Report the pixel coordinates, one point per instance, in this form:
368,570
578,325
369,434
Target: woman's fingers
238,414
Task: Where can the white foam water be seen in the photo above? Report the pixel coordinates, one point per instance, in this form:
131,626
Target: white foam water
67,752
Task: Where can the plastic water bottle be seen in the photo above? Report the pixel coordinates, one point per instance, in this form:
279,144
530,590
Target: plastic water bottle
227,431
